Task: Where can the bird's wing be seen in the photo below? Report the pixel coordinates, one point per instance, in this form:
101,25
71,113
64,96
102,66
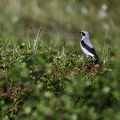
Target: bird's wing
87,42
91,50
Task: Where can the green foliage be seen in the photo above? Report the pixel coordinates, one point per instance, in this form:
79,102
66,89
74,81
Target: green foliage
47,86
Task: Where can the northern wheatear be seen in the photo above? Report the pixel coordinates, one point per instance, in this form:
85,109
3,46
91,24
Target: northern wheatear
87,46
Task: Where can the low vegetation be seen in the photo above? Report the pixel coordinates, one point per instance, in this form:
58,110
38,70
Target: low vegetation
53,84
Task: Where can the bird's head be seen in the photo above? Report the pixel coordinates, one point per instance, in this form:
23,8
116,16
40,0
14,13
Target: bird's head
84,34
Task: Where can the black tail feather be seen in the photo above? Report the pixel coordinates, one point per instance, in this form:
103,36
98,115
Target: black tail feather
97,59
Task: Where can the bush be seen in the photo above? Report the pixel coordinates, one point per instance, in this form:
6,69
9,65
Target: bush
42,85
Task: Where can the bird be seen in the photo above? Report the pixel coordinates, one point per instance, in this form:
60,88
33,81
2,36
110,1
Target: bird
87,46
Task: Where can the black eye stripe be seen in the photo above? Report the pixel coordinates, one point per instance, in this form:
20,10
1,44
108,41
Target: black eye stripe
83,33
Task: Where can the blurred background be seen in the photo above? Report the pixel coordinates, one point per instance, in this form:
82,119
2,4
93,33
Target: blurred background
61,22
86,91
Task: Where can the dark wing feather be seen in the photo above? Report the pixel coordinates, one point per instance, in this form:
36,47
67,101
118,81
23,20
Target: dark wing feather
91,50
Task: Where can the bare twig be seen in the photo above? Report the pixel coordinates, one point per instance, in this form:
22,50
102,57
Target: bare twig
35,45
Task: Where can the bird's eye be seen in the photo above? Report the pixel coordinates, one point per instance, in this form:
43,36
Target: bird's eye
83,33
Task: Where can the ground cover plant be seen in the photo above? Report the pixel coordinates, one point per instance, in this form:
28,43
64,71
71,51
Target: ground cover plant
43,72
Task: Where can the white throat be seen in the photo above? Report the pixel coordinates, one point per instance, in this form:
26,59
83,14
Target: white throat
83,37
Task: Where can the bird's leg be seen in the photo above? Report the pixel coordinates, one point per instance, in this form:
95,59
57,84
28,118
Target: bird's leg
87,59
87,56
91,59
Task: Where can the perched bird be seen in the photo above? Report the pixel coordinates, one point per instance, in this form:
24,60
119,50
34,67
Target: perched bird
87,46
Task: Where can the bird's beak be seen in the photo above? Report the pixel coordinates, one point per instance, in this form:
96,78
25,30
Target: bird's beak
80,32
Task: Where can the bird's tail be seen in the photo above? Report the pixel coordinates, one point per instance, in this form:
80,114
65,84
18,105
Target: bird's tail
97,59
